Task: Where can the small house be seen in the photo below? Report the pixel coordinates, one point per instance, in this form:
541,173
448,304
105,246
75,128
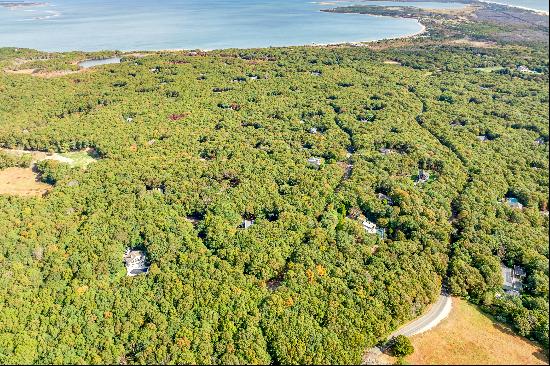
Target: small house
482,138
136,262
423,176
383,197
247,223
314,162
385,151
525,69
313,130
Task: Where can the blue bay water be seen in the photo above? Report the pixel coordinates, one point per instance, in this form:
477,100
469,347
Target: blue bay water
173,24
91,25
541,5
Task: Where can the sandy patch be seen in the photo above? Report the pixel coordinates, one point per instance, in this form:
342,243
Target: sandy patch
469,42
42,74
22,182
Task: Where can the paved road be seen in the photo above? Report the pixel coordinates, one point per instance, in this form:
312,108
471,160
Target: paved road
437,312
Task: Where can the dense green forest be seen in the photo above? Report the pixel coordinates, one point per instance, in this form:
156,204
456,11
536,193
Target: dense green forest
190,144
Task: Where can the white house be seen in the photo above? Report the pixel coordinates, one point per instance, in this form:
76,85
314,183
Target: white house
522,68
136,262
371,228
315,162
247,223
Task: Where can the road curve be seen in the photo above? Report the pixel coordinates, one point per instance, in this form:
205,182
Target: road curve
437,312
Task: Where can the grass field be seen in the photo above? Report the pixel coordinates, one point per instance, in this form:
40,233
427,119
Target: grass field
21,182
79,159
489,69
468,336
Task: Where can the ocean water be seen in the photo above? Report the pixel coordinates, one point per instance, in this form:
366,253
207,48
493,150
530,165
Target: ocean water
417,4
90,25
541,5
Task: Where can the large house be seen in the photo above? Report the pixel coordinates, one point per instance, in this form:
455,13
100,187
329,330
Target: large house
513,279
371,228
136,262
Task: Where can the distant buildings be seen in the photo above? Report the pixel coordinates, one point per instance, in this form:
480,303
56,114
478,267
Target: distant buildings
512,279
136,262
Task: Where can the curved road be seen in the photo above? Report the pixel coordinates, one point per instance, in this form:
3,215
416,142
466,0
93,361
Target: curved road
437,312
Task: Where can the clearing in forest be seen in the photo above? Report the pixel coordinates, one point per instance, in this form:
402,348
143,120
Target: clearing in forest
79,159
22,182
469,336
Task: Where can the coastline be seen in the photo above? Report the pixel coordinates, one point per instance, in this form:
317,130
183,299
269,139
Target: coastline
538,11
338,43
407,36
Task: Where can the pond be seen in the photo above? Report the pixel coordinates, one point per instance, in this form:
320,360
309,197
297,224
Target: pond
97,62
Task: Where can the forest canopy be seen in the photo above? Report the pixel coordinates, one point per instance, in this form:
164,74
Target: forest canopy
189,145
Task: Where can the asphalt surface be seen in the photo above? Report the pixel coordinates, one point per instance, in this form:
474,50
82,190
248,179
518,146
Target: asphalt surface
437,312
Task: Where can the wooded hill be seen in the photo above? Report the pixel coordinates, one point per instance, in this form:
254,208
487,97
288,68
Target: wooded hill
191,144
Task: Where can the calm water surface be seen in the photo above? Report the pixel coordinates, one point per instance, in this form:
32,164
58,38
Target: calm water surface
92,25
169,24
105,61
541,5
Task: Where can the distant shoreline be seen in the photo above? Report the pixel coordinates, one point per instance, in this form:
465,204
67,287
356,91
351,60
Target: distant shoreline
336,43
539,11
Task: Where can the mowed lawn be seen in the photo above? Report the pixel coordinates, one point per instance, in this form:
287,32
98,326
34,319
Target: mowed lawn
21,182
468,336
